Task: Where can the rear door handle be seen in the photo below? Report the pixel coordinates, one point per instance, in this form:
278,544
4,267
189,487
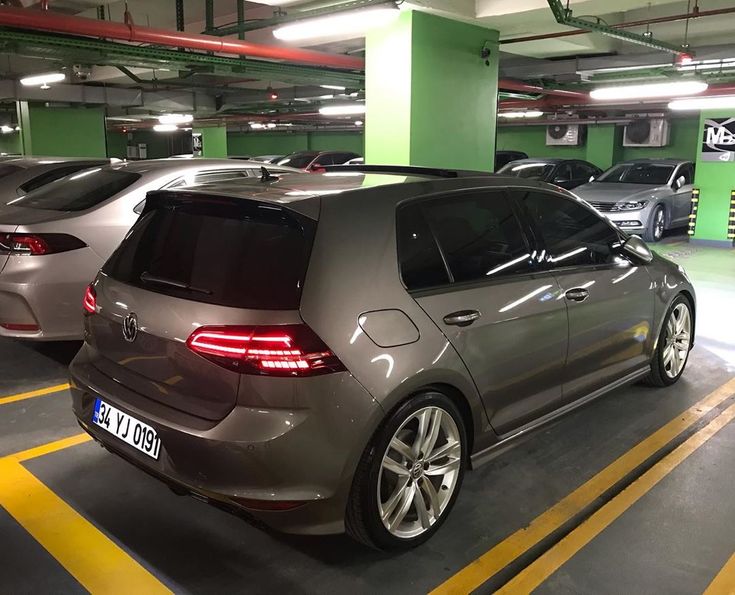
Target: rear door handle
577,294
462,317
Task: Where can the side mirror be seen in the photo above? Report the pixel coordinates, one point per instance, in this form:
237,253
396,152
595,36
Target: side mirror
637,250
592,179
679,182
560,180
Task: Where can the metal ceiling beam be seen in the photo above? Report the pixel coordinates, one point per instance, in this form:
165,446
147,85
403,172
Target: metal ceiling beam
68,49
564,16
296,14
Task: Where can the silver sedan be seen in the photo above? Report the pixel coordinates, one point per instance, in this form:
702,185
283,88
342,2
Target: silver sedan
54,240
644,197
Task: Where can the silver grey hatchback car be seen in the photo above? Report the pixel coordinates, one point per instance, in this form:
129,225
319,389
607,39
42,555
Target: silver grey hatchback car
54,239
644,197
331,351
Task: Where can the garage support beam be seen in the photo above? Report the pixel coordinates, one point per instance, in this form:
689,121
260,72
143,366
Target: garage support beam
62,131
431,93
214,141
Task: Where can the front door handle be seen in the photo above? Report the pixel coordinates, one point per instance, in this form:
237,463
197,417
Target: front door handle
462,317
577,294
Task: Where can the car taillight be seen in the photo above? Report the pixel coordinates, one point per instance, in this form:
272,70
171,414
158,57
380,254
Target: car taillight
37,244
90,300
281,350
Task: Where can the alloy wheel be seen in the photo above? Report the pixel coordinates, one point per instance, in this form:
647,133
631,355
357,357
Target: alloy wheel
677,340
658,224
419,472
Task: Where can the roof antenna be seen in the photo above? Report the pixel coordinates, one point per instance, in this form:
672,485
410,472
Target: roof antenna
266,176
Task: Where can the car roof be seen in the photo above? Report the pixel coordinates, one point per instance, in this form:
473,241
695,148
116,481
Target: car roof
302,191
26,162
655,161
550,161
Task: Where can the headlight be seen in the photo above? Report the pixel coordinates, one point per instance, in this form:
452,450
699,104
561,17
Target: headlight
630,205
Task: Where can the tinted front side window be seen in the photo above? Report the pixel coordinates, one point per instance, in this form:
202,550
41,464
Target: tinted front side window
79,191
239,255
420,261
479,235
574,235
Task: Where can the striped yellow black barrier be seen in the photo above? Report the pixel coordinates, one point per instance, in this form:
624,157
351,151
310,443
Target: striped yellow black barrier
731,219
693,213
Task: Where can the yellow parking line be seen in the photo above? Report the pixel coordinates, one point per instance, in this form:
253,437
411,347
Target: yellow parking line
44,449
724,583
34,393
513,546
99,564
537,572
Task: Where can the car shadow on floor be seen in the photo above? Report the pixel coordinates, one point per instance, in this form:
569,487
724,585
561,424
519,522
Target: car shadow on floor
61,352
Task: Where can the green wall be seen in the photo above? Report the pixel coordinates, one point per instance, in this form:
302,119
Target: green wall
431,98
11,143
604,143
117,144
252,144
63,131
715,180
214,141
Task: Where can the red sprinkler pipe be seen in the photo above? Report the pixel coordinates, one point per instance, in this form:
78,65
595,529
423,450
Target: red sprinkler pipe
24,18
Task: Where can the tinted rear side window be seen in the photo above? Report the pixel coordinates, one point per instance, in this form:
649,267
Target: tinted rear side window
239,255
79,191
420,261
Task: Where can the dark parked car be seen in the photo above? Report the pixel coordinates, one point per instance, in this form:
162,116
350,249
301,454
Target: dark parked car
565,173
504,157
315,161
331,352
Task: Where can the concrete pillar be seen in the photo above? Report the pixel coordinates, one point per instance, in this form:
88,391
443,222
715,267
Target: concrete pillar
431,96
716,182
604,145
62,131
214,141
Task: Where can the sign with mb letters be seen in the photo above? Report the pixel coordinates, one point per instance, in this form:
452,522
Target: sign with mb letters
718,142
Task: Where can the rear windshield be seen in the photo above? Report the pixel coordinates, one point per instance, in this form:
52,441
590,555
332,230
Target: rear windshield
79,191
54,174
240,255
531,171
298,160
638,173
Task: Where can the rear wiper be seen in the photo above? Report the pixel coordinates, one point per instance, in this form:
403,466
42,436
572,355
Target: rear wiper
146,277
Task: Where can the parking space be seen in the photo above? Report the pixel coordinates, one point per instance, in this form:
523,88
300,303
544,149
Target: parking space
523,516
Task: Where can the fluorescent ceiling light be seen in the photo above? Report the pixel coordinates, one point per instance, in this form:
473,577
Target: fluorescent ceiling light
703,103
352,23
256,125
649,90
6,129
359,122
333,87
42,79
342,110
165,127
526,114
175,118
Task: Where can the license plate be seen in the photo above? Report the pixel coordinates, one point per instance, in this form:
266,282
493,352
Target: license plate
137,434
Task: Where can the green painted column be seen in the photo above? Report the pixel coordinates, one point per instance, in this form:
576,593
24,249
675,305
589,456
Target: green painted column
604,145
715,180
431,98
62,131
214,141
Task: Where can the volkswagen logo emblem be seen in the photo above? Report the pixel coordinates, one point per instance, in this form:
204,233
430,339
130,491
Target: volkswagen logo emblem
130,327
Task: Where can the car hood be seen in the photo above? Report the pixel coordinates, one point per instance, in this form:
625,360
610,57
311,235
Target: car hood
612,193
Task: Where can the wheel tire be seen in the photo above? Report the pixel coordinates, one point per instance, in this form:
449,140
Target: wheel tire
659,376
656,225
362,520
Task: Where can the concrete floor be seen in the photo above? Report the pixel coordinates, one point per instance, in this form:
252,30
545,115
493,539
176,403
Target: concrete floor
675,538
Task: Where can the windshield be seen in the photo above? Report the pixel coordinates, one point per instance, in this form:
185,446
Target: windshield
297,160
79,191
638,173
535,171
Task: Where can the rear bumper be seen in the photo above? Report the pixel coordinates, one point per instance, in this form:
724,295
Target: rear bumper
291,454
46,291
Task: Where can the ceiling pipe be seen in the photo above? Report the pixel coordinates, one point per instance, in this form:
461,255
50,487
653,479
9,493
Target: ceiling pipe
59,23
515,85
626,25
